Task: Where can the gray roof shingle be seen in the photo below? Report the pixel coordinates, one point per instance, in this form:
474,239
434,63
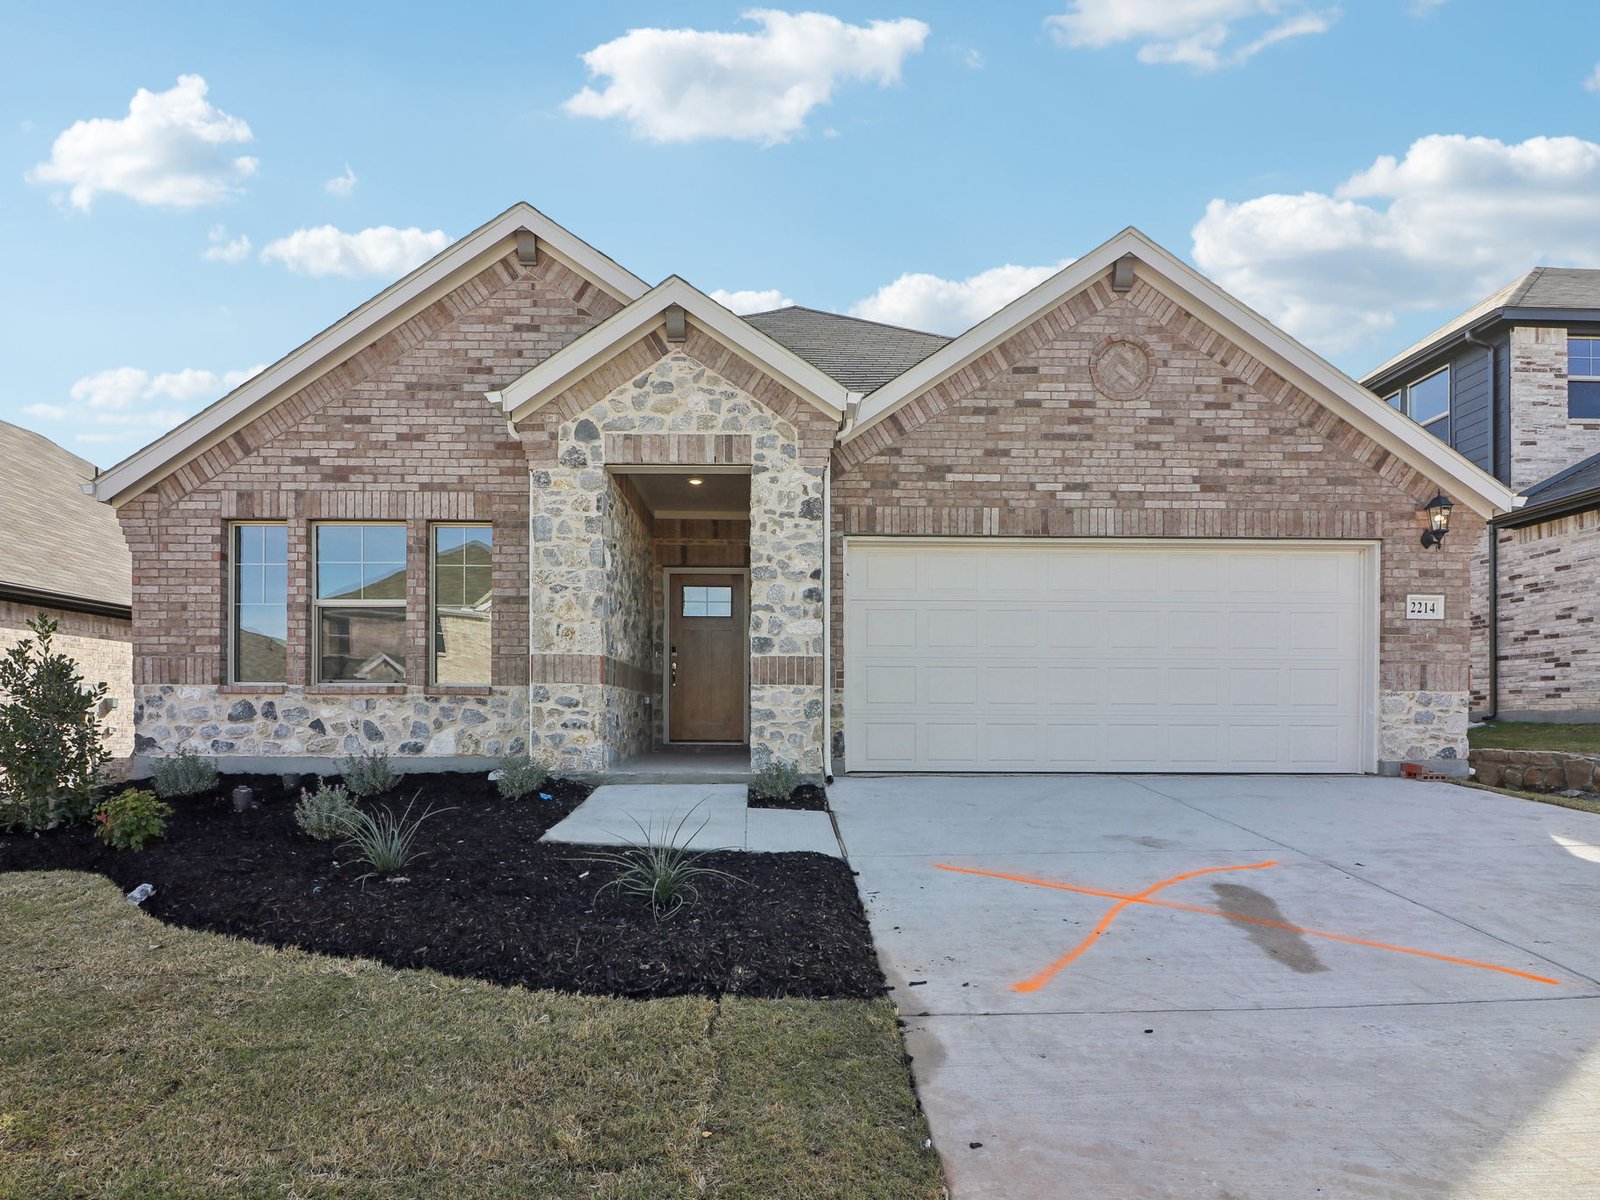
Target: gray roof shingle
860,354
53,538
1563,485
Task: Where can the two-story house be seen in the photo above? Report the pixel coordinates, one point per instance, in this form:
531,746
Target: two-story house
1513,385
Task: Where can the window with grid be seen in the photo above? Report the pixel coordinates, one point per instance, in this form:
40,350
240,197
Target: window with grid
463,603
1583,378
359,603
259,622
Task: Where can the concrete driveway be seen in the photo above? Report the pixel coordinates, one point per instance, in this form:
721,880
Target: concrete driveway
1445,1042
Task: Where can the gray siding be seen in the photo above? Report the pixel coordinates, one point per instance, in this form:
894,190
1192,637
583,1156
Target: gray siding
1502,408
1470,416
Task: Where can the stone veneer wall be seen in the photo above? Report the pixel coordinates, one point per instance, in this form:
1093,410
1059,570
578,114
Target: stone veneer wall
1543,439
301,722
1210,443
677,396
102,648
1536,770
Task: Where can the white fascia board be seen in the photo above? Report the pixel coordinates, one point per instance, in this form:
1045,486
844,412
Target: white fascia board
1184,285
576,359
358,328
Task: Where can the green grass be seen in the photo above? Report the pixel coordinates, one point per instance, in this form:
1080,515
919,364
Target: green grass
1535,735
137,1059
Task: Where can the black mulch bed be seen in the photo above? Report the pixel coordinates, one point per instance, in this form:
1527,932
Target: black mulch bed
487,900
808,797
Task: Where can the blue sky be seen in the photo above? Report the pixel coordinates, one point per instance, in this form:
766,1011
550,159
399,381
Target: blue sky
1358,172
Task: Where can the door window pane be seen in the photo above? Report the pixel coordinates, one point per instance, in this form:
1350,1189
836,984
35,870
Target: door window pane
463,602
707,602
260,631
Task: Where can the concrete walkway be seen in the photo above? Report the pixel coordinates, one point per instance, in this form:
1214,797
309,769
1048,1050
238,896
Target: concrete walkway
705,816
1187,1053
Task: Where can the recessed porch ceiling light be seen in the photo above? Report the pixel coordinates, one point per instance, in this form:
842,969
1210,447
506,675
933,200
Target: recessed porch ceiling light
695,481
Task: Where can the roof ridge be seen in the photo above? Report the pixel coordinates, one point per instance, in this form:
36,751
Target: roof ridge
824,312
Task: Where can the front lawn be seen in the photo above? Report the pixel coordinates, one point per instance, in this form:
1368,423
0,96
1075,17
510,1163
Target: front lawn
138,1059
1535,735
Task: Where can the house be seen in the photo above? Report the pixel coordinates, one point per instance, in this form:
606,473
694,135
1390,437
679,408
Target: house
1122,524
62,555
1514,385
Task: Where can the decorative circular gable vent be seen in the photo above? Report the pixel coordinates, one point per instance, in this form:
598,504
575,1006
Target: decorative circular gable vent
1122,368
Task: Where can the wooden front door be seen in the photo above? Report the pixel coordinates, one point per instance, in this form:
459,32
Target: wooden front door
706,627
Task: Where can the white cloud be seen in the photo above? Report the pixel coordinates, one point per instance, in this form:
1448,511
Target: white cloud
1592,83
1205,34
380,251
172,149
49,412
681,85
341,185
224,249
1421,8
950,306
122,390
750,301
1443,227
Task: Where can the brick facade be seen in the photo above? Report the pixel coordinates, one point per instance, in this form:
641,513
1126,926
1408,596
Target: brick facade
1549,645
1022,443
101,646
1543,439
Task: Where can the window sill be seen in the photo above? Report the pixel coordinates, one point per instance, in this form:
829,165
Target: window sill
252,689
356,689
458,689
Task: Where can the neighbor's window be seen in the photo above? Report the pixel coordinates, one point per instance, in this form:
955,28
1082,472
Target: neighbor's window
1583,378
463,602
259,638
360,603
707,602
1428,403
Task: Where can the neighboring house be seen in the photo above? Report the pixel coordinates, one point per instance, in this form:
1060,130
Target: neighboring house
1122,524
62,554
1514,385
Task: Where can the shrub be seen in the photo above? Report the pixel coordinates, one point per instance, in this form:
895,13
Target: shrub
775,781
368,774
131,818
183,774
326,813
661,869
51,735
384,841
519,776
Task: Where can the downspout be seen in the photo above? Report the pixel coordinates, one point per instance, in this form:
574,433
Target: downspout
827,620
1493,689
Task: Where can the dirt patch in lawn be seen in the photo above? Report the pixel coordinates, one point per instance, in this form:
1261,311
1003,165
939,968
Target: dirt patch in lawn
487,899
808,797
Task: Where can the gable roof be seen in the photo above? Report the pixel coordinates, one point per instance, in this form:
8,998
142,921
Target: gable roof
1543,293
358,329
57,545
582,355
1169,275
860,354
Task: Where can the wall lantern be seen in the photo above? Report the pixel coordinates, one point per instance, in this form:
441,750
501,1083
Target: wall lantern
1438,510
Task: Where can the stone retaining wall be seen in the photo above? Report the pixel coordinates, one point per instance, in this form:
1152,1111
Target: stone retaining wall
1536,770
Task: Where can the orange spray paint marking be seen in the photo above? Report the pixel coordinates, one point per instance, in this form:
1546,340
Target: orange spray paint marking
1144,897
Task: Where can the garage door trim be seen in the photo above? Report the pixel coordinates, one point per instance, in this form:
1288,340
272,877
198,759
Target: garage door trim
1366,551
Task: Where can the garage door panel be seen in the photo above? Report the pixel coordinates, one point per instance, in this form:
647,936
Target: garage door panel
1134,656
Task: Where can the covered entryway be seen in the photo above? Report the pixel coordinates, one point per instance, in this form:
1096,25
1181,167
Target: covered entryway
983,654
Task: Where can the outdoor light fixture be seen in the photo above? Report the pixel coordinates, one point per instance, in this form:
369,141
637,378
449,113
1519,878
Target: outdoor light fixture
695,481
1438,510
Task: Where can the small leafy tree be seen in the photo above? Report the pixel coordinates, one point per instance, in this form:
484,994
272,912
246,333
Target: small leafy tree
52,740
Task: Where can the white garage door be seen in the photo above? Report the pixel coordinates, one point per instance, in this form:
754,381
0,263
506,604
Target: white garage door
980,655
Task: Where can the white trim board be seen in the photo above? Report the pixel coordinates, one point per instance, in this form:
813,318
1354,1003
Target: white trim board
340,341
1175,279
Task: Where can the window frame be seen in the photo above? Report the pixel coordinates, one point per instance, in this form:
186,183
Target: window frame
1573,378
314,671
1445,416
231,616
433,601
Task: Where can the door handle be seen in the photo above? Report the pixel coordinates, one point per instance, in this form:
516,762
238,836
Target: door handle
674,666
